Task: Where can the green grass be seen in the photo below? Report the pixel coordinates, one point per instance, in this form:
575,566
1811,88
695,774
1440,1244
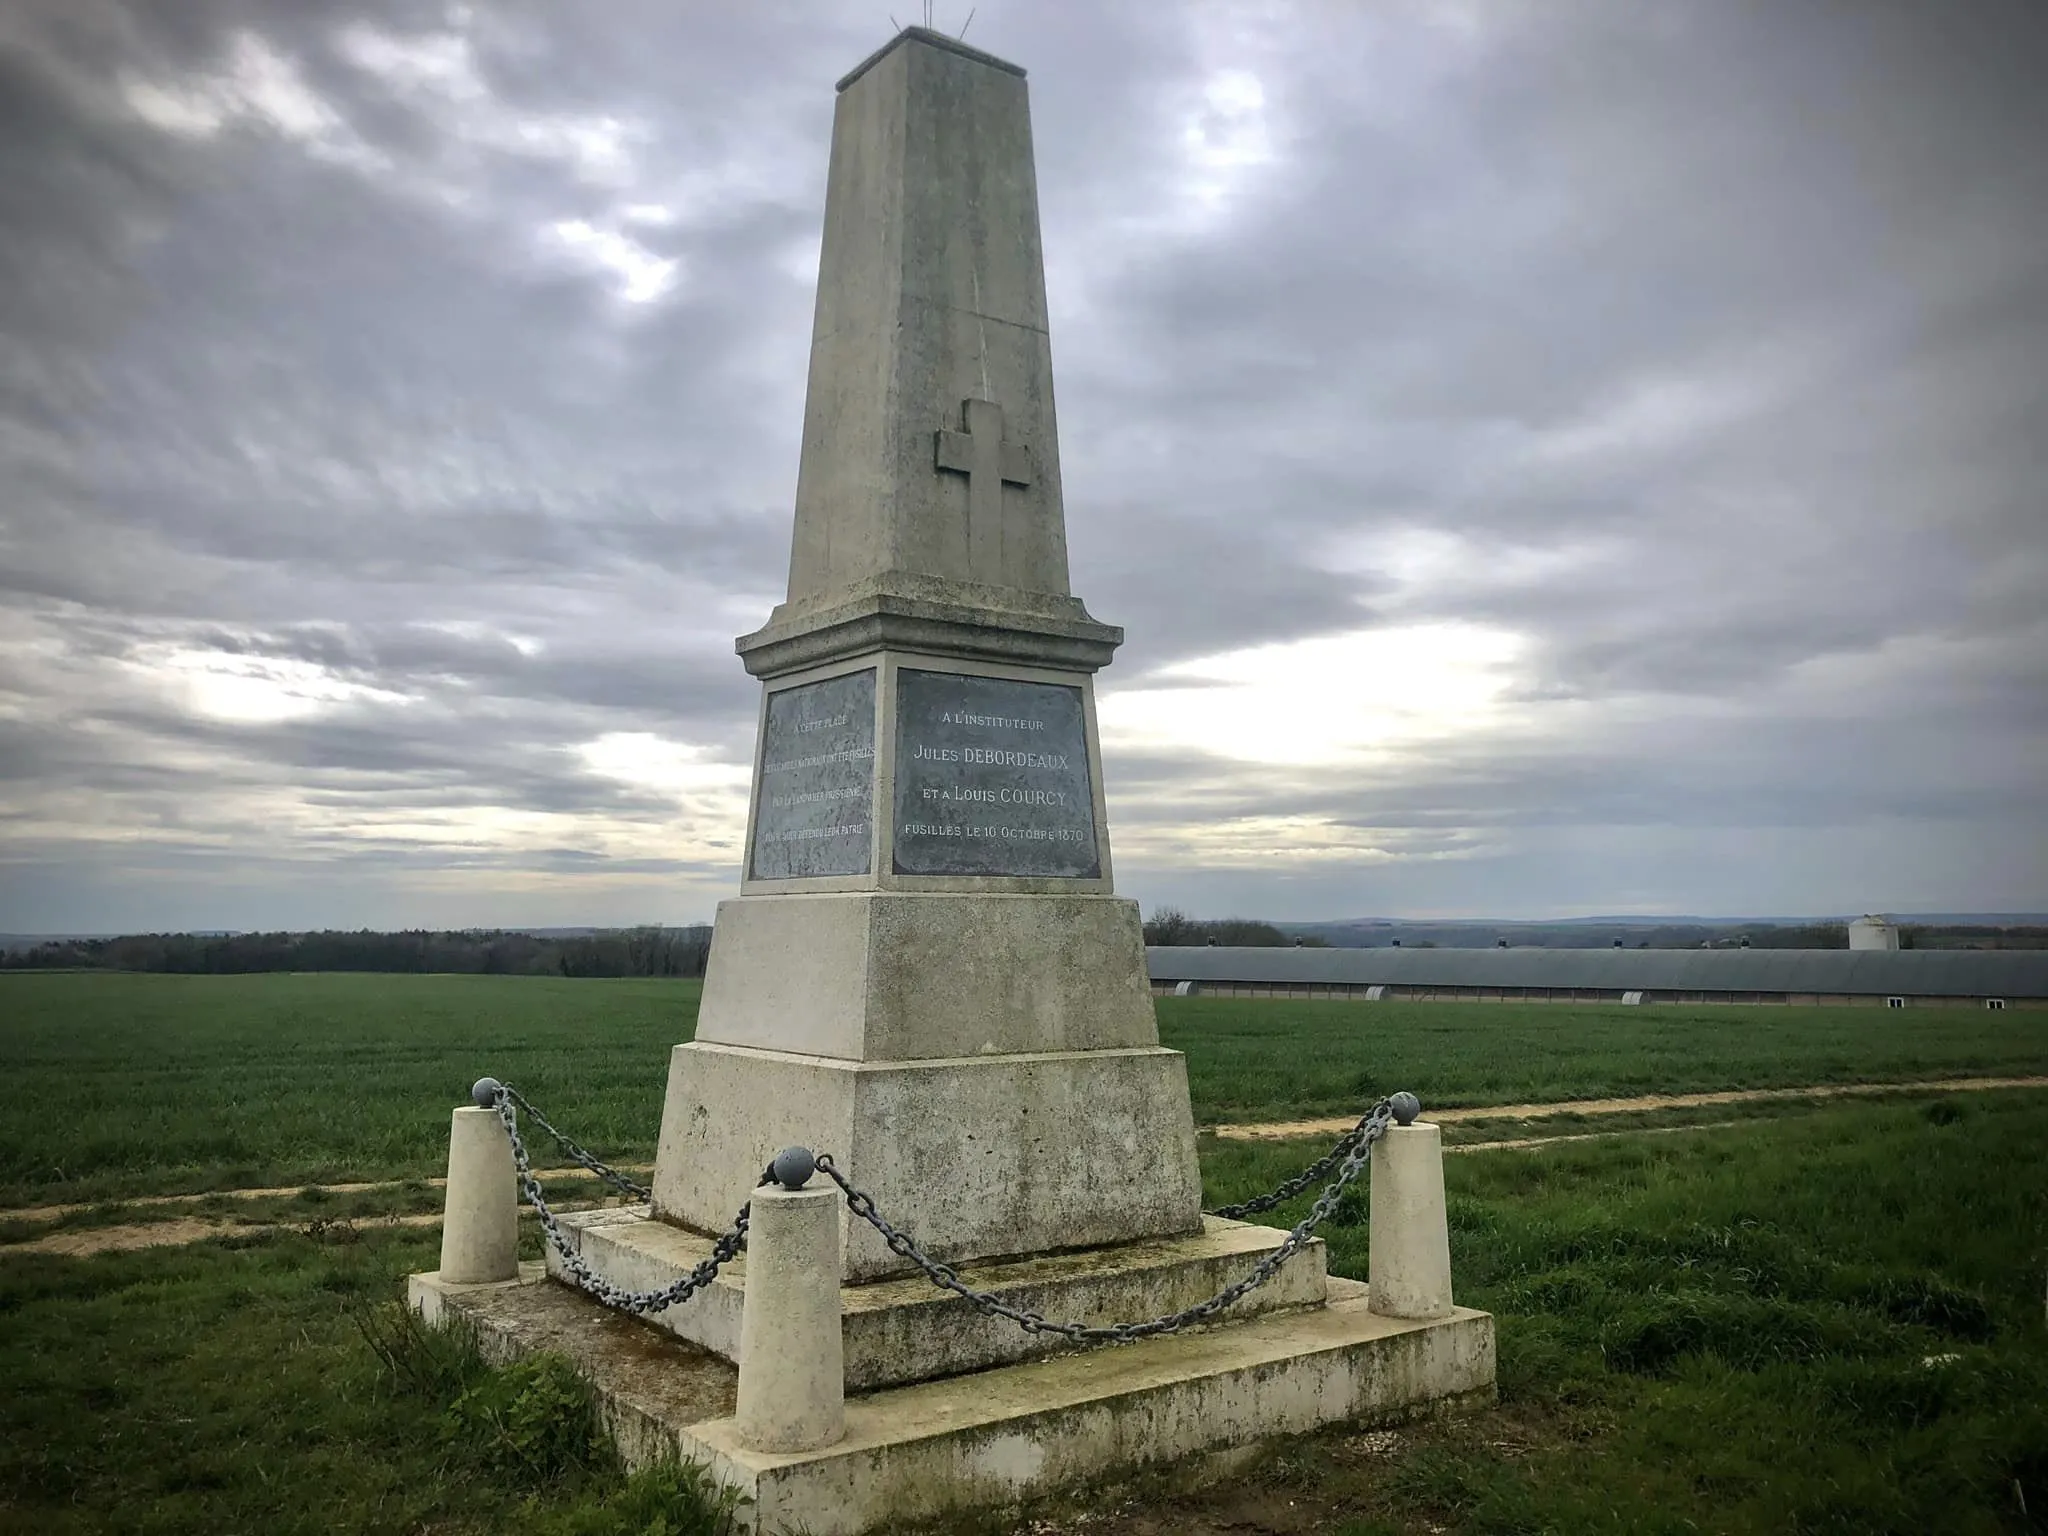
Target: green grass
230,1386
1268,1059
1833,1322
149,1085
161,1084
1829,1318
1740,1330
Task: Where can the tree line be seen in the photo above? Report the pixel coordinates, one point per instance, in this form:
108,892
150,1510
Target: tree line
1168,925
647,951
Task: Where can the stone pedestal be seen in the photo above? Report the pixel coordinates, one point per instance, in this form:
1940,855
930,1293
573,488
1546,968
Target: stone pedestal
904,1330
990,1156
1202,1400
987,1061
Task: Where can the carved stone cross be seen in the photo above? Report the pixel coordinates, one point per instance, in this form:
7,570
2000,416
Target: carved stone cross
979,453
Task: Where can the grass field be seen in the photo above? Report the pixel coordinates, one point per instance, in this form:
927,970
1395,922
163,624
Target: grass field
1827,1318
1269,1059
1828,1323
159,1084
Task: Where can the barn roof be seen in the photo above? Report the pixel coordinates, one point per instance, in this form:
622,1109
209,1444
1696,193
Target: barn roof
1902,972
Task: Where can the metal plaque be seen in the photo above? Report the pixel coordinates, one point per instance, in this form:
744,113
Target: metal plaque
817,791
992,778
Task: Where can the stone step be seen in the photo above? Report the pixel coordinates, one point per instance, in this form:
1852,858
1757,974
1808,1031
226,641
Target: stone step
918,1452
909,1330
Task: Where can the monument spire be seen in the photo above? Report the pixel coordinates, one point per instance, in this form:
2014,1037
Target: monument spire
930,473
927,956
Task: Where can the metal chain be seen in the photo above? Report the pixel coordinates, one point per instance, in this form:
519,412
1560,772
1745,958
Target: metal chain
587,1279
1356,1159
1350,1156
1315,1170
577,1154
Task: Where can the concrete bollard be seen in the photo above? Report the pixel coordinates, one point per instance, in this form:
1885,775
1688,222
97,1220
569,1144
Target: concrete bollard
1410,1265
480,1222
792,1394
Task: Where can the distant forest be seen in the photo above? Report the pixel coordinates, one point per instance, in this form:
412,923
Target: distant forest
617,952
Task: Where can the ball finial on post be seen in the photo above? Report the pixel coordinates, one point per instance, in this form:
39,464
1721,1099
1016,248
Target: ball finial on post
485,1092
792,1168
1405,1107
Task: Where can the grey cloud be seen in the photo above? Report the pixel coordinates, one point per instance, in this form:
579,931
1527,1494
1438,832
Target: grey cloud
1745,305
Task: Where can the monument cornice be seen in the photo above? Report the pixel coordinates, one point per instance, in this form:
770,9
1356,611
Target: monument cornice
937,617
933,39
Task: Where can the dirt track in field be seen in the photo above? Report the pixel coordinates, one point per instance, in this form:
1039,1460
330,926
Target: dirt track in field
281,1192
176,1231
172,1230
1298,1130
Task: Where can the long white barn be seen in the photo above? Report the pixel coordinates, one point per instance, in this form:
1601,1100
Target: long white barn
1895,978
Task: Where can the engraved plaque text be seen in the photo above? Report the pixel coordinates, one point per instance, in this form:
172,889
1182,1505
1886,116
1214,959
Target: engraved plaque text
992,778
817,787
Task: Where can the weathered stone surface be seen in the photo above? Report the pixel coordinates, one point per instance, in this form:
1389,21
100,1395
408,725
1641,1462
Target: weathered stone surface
985,1157
931,292
651,1385
906,976
929,512
1411,1250
480,1217
934,616
897,1331
814,803
965,1442
992,777
792,1390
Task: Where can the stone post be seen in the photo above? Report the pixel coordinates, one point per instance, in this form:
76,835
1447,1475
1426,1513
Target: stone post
792,1394
480,1222
1410,1266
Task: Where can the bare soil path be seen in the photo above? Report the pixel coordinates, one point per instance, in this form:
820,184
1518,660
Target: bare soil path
1297,1130
281,1192
170,1229
176,1231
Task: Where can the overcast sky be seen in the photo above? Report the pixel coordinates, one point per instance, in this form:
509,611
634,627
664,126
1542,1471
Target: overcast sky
1547,458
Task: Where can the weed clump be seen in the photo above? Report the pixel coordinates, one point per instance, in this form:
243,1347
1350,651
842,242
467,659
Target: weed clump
670,1498
535,1426
439,1364
534,1422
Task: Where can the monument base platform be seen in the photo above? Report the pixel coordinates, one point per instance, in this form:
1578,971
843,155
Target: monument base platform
999,1436
1000,1156
897,1331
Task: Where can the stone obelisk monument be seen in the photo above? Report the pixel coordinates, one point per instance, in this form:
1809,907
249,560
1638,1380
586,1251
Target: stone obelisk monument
927,971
